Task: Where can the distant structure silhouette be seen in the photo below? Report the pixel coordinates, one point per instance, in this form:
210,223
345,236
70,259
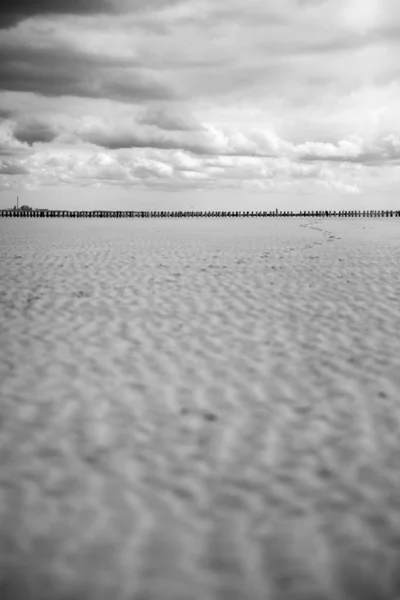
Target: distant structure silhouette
27,211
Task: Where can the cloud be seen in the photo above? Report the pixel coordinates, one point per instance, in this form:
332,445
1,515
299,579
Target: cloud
205,140
169,170
124,57
62,70
100,167
9,167
341,187
91,167
13,12
132,135
169,119
147,169
308,3
383,150
344,150
5,114
9,145
174,95
34,131
183,161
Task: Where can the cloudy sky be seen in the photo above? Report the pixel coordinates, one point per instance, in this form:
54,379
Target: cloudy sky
181,103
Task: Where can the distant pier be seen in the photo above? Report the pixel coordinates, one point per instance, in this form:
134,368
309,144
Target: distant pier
164,214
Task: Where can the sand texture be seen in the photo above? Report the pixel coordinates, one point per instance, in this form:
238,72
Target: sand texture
200,410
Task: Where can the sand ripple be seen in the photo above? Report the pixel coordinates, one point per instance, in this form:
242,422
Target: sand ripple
199,410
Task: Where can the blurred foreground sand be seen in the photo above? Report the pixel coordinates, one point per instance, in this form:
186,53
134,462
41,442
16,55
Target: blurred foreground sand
204,409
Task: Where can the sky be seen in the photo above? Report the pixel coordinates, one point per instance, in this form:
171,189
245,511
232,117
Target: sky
200,104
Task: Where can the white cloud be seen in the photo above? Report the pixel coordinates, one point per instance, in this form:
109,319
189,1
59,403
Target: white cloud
340,186
362,16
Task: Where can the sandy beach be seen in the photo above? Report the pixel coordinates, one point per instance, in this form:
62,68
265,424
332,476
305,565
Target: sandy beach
200,409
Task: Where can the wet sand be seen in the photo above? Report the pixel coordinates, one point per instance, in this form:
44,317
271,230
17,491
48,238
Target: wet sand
201,409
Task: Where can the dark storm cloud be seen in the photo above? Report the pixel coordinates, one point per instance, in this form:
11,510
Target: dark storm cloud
34,131
12,12
63,71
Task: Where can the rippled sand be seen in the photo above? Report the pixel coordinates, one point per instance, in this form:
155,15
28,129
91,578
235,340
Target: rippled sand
204,409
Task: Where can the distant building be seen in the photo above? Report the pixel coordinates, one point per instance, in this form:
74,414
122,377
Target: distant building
23,208
26,208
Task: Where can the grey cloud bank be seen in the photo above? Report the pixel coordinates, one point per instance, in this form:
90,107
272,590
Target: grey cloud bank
34,131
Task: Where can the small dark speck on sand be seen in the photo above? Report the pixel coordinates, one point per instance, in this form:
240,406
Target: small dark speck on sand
325,473
184,411
382,394
210,416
